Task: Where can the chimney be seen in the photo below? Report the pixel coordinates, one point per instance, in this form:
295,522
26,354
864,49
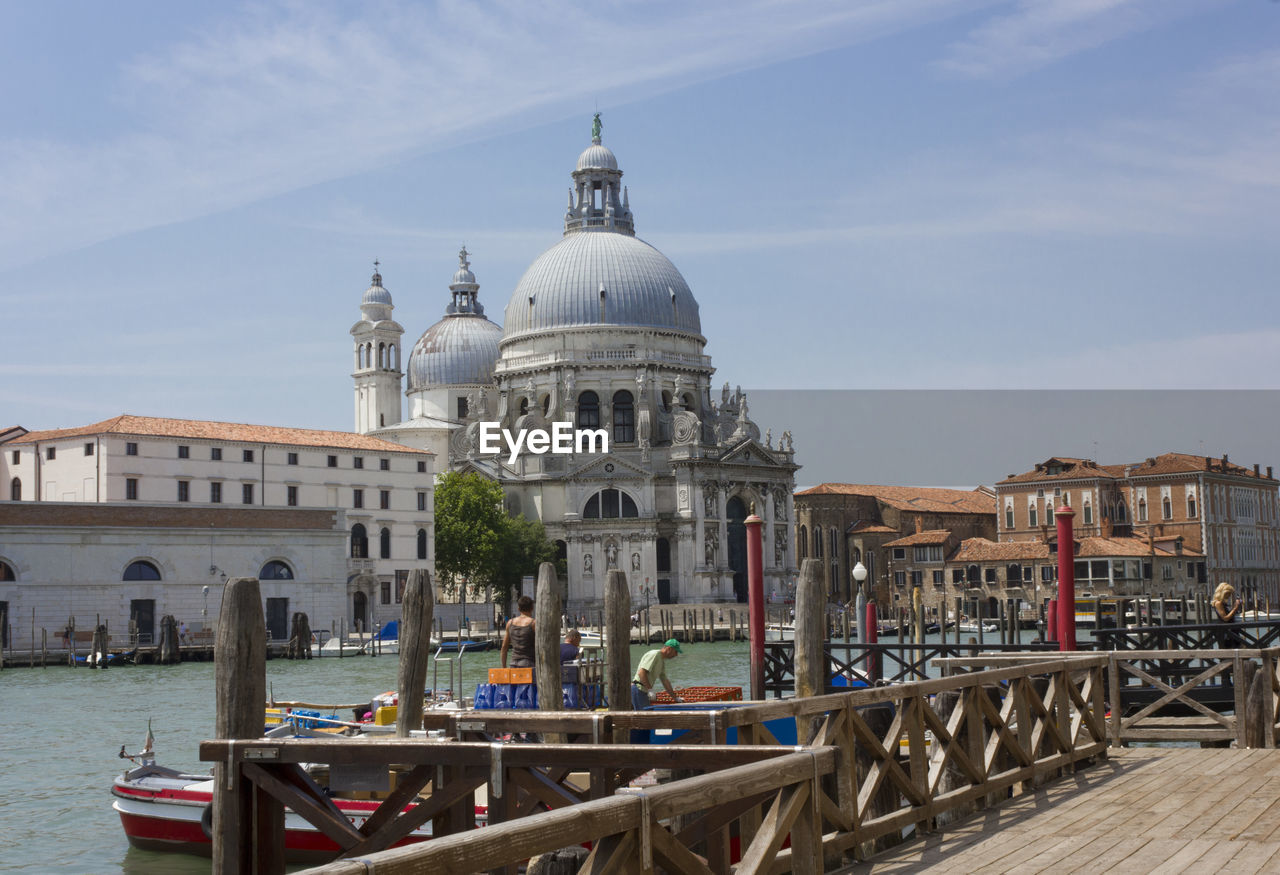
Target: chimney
1208,463
1151,541
1177,545
919,524
1268,472
1257,470
1224,461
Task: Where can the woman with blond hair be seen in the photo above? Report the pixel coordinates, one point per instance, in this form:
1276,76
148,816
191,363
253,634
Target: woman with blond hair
1227,607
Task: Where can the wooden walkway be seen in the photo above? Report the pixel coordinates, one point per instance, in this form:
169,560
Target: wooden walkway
1163,810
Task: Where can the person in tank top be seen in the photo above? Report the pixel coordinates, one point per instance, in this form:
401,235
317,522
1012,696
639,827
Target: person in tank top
518,638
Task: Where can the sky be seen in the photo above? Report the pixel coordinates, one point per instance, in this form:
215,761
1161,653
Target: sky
925,195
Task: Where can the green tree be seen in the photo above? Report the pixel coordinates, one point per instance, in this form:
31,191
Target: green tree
525,548
470,530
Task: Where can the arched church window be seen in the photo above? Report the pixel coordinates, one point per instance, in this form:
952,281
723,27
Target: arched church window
835,544
588,410
524,406
382,355
422,543
6,572
817,542
141,569
624,418
275,570
359,542
384,543
804,542
688,401
15,490
610,504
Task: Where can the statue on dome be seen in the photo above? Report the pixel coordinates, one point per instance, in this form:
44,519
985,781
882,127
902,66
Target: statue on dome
595,127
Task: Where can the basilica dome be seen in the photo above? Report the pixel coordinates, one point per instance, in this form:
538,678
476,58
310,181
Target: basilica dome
600,273
461,348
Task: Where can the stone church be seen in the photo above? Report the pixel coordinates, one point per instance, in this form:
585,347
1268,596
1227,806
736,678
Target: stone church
601,332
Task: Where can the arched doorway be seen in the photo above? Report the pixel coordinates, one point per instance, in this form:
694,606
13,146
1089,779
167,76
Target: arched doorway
736,514
360,611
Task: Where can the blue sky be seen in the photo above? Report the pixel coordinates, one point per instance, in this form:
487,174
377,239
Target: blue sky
882,194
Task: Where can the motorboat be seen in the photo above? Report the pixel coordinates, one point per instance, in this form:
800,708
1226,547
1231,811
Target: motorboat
972,627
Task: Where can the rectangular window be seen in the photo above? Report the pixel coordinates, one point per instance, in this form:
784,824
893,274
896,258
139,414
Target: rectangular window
293,496
215,493
357,461
899,553
384,499
246,493
88,449
1166,573
384,464
16,456
51,453
357,498
989,575
900,578
385,587
248,455
184,451
293,458
917,578
215,453
462,407
1008,518
422,501
333,461
130,449
1031,516
957,575
937,577
422,467
131,489
1048,515
184,490
1046,573
1088,514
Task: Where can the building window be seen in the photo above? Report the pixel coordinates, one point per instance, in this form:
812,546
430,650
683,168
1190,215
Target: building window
359,542
422,501
422,467
818,546
462,407
248,455
610,504
1166,572
17,455
215,454
333,461
246,493
384,499
929,553
275,570
1142,510
292,496
957,576
937,577
588,410
357,498
88,449
130,449
384,464
900,578
1166,508
131,489
1032,517
293,458
215,493
899,553
1008,517
357,461
1047,572
1088,513
422,543
1048,514
802,542
50,453
15,489
384,543
624,418
141,570
385,590
1191,507
184,452
184,490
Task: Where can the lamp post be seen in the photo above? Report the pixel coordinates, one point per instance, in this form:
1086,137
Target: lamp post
859,573
204,612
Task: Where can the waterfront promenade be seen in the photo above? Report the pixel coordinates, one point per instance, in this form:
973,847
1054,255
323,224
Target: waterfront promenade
1166,810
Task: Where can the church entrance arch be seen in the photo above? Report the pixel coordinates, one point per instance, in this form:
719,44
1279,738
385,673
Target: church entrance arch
736,514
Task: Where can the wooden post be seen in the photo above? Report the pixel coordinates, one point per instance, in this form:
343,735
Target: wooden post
617,639
241,844
546,639
809,660
755,601
44,648
415,650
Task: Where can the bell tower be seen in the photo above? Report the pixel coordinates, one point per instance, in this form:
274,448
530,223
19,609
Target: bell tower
377,360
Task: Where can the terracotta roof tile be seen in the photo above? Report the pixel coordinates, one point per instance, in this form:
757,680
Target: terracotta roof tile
862,527
982,550
918,498
1096,548
936,536
150,426
1165,463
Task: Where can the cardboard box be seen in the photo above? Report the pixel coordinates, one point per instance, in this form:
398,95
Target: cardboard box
521,675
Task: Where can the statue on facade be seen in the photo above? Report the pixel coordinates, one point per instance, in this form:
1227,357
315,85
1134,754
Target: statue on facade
611,555
712,539
635,561
779,545
586,563
595,128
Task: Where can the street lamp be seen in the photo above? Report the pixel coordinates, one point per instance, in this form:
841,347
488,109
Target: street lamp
859,573
204,612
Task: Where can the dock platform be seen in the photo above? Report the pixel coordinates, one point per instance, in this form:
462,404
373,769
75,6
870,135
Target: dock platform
1166,810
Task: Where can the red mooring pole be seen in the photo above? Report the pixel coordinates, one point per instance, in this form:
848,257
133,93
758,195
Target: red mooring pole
755,602
1066,577
1051,621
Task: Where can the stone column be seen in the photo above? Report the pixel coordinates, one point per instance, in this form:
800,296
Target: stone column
722,502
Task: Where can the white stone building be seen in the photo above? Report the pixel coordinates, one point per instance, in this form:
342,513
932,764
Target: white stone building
601,332
369,524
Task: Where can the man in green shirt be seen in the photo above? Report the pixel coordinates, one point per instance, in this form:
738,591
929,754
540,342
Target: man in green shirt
653,666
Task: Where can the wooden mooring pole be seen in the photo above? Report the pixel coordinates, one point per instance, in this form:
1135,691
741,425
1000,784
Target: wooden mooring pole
546,641
617,639
248,825
415,650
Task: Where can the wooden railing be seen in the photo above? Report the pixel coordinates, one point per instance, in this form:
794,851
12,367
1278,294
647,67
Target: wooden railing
1196,636
876,762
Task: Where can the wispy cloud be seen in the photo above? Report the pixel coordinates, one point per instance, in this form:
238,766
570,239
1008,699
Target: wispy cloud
280,97
1041,32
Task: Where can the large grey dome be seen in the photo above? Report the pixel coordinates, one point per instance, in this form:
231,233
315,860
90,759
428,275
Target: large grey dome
458,350
563,287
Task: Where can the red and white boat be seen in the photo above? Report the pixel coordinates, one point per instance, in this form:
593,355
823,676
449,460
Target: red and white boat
162,809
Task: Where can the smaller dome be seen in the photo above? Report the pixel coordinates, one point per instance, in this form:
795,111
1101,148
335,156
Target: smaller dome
597,157
463,277
376,304
376,294
457,350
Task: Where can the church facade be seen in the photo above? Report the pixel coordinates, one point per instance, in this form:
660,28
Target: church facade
602,333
